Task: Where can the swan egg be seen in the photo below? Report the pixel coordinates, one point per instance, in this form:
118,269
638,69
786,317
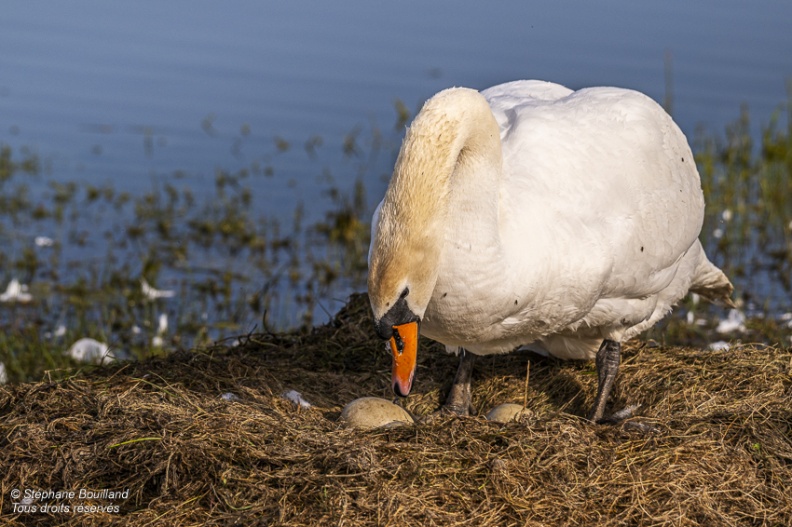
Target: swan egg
372,412
507,412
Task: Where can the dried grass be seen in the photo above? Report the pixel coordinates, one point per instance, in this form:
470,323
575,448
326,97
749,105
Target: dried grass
712,444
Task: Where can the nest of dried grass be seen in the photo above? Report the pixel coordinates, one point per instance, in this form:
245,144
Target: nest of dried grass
712,444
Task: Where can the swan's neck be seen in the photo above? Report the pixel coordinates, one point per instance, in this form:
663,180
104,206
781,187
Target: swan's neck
452,148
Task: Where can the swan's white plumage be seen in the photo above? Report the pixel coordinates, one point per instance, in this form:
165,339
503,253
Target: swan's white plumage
581,223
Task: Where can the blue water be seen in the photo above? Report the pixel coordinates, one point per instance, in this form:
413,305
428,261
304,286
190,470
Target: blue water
127,93
90,84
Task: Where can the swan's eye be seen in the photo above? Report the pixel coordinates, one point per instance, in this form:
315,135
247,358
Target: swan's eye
405,293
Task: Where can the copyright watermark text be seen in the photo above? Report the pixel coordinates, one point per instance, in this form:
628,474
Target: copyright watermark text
80,501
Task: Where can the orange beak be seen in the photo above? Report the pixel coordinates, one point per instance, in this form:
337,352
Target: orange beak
404,345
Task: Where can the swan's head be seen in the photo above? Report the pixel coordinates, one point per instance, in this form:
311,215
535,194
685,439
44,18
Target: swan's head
401,281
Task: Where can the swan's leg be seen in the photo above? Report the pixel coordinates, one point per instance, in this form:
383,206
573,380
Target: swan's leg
607,367
460,400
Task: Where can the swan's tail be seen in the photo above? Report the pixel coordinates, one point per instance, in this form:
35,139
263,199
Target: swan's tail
712,284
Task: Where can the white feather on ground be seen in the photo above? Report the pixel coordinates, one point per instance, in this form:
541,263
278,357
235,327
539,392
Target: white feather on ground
91,351
16,292
153,293
297,398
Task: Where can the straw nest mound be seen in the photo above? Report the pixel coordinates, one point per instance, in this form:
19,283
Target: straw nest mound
207,438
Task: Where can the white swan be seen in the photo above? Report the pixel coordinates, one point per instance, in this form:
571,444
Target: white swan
531,213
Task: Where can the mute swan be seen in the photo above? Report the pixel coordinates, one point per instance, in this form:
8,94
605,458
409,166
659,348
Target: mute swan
531,213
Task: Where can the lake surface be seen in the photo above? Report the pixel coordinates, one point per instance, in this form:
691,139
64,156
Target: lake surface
126,94
88,83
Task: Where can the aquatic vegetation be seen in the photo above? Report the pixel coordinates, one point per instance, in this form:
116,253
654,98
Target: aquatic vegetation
748,227
122,268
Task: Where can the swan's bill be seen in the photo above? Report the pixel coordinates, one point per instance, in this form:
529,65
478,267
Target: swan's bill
404,345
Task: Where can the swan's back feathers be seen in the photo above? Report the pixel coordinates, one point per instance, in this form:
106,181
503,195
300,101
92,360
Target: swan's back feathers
605,197
504,98
517,92
609,170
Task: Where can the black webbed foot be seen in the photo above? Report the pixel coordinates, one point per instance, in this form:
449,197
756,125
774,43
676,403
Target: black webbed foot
607,361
